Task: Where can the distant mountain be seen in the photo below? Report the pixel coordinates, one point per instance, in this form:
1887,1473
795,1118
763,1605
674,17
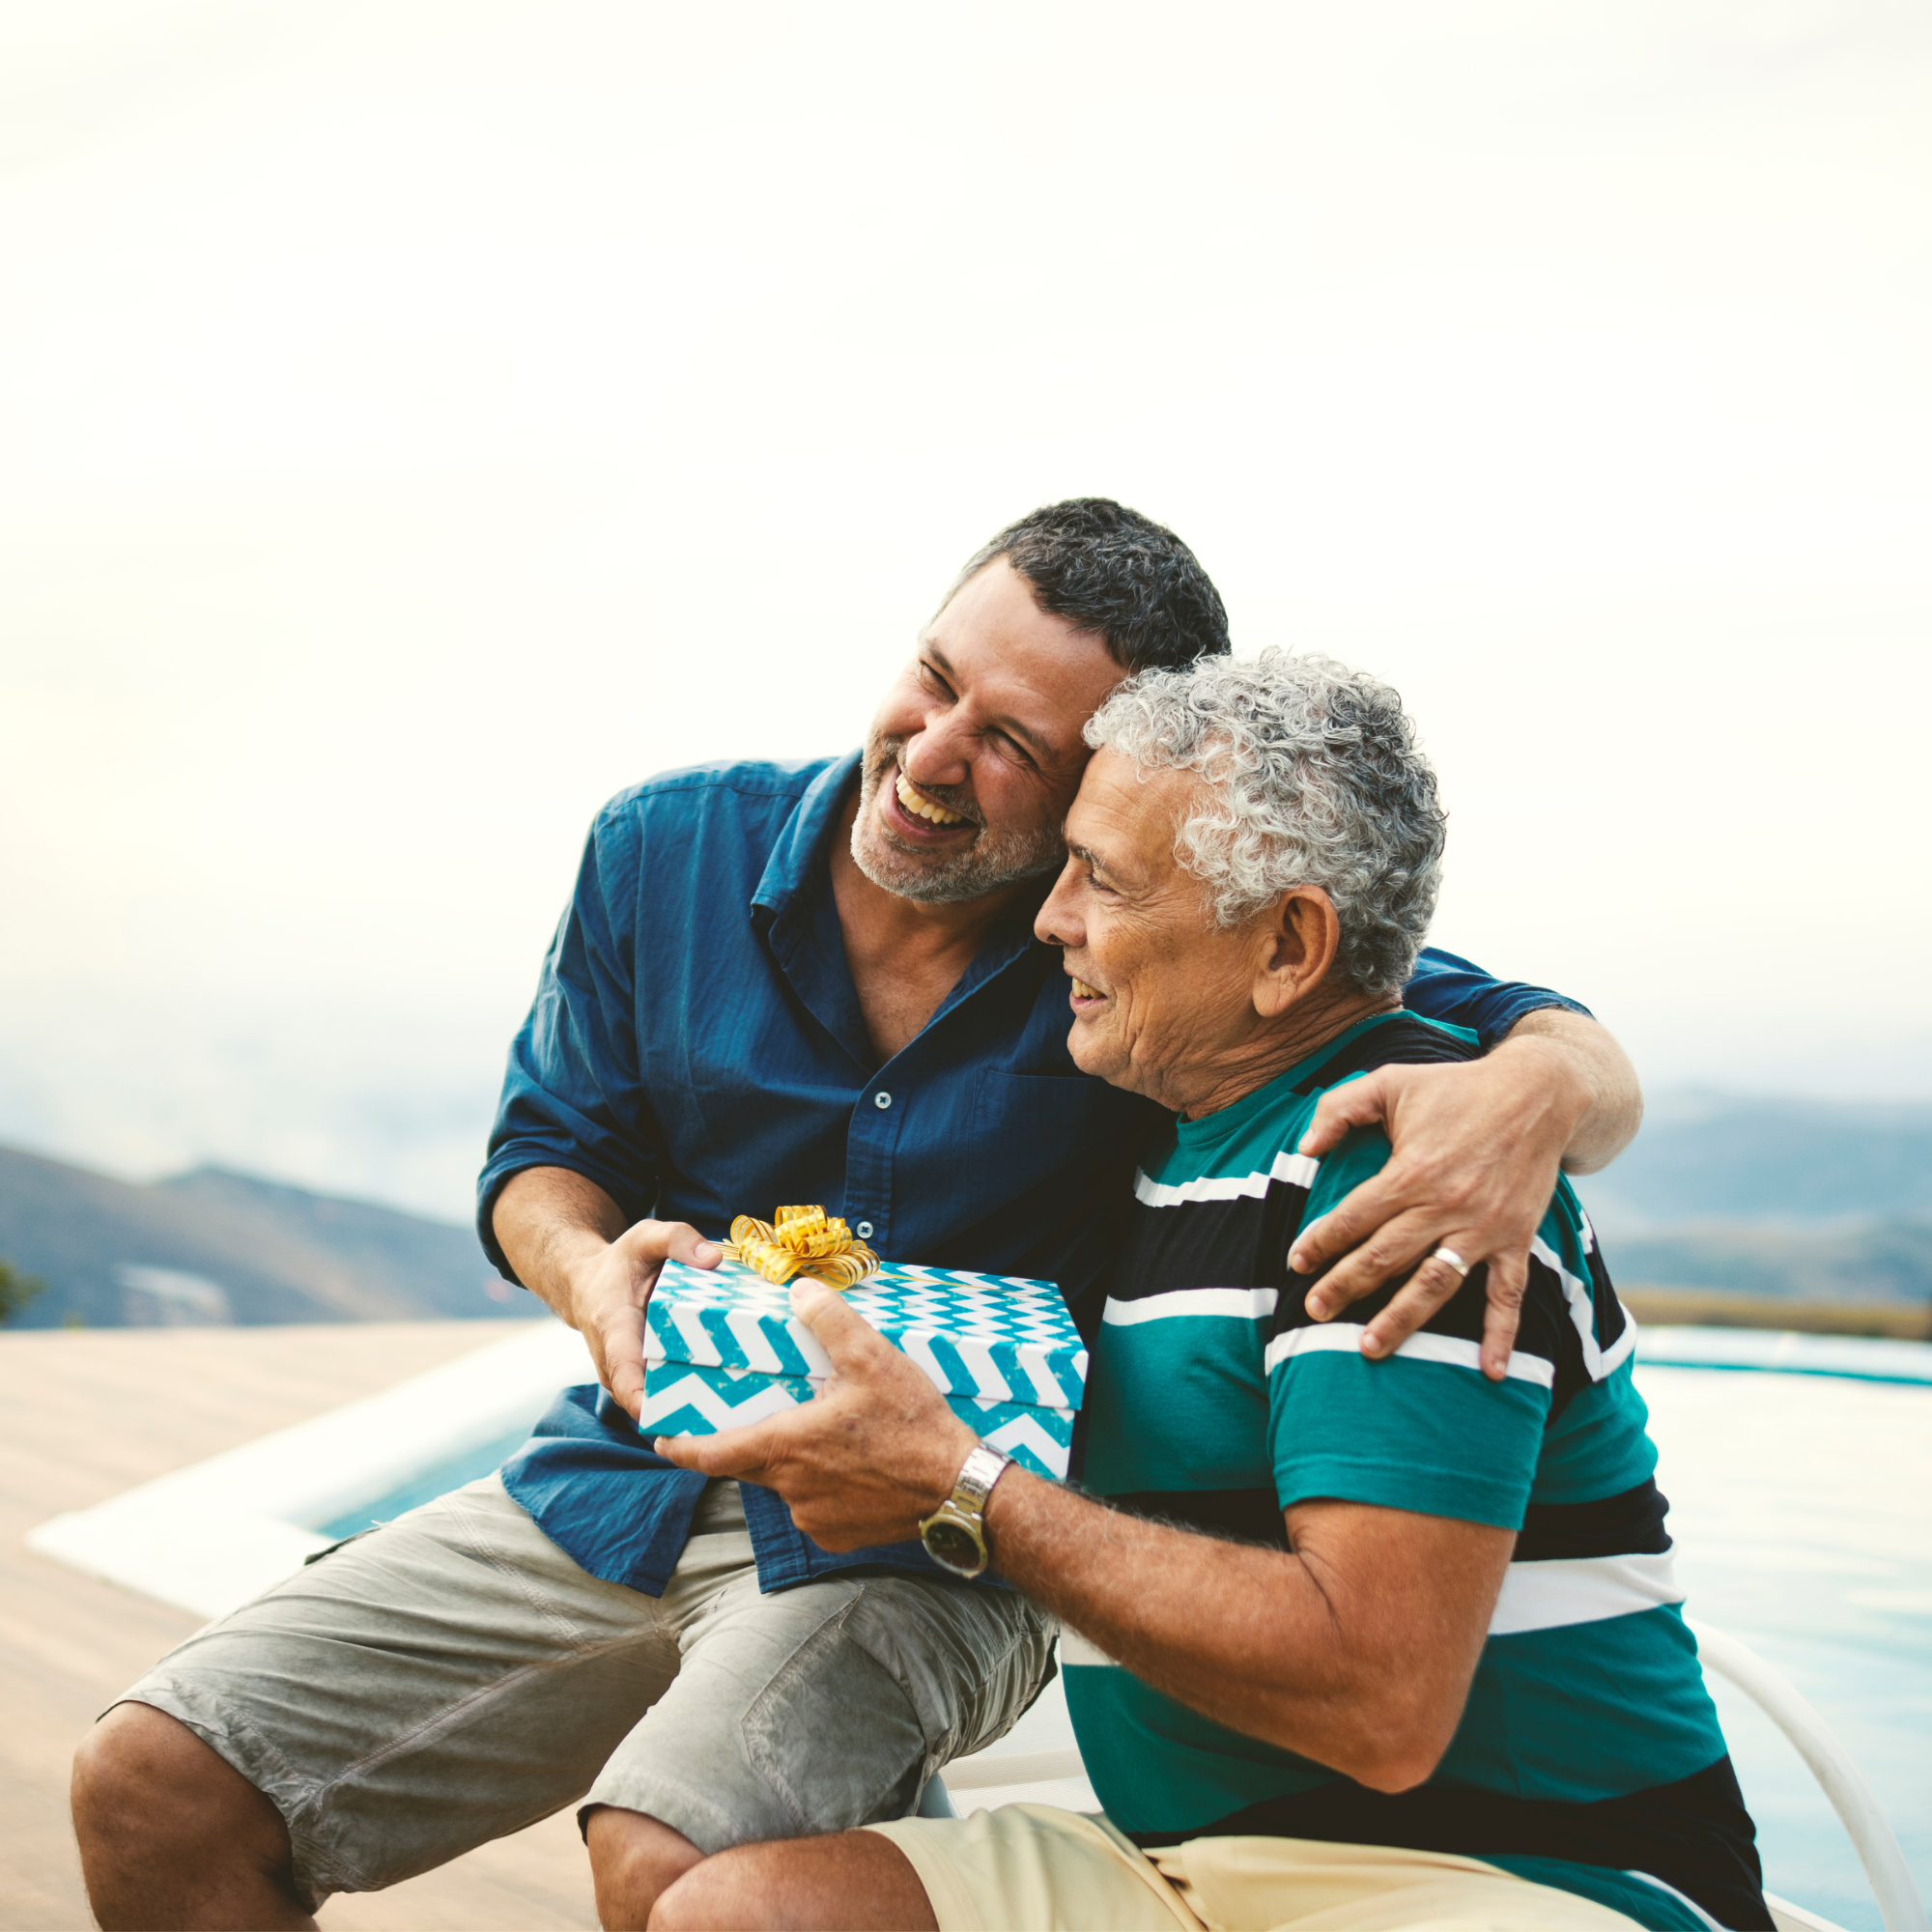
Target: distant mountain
214,1246
1705,1157
1801,1198
1877,1261
1758,1196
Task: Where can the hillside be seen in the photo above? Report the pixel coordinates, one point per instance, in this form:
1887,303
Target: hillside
1773,1197
1765,1196
1870,1261
214,1245
1711,1157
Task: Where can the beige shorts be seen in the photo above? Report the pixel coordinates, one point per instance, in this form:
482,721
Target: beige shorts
1048,1870
454,1676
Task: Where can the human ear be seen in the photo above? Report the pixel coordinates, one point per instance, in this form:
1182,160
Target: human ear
1300,937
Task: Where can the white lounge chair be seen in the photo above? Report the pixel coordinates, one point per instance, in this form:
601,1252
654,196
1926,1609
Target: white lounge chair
1899,1907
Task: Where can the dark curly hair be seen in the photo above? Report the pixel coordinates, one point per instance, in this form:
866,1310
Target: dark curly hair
1113,571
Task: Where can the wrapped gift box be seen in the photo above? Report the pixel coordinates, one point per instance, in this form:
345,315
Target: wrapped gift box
722,1346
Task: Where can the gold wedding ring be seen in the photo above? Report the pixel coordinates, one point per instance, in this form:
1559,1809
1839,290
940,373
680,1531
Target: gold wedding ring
1454,1260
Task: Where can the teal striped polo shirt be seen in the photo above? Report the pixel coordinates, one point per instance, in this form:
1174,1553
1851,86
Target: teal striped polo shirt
1589,1754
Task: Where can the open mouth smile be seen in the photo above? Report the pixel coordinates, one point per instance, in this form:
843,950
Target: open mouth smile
925,814
1085,998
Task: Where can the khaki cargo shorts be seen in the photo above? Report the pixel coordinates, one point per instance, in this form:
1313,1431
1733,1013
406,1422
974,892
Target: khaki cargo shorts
453,1676
1048,1870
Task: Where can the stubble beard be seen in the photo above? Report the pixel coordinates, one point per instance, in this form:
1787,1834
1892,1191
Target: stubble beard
993,862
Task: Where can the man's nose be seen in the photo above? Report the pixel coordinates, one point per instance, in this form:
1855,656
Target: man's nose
1055,924
940,752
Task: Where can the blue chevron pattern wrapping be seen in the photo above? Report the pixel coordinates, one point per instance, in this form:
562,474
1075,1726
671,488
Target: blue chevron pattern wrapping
680,1400
722,1346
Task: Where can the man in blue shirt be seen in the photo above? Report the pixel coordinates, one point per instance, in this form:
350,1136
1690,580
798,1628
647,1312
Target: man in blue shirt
813,982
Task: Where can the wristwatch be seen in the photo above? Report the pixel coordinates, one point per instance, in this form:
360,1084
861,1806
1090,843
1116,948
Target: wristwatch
955,1534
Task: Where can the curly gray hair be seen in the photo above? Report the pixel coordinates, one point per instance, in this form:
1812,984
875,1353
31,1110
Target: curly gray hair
1313,779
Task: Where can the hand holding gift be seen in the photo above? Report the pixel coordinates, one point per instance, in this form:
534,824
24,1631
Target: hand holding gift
724,1346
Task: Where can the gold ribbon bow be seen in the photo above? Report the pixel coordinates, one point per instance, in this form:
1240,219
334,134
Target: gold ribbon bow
806,1241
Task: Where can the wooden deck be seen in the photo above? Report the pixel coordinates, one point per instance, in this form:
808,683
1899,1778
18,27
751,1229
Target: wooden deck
86,1415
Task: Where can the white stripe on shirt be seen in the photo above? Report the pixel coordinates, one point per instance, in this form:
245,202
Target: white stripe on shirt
1346,1336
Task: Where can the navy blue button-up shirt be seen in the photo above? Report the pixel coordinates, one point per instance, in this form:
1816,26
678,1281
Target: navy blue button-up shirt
696,1049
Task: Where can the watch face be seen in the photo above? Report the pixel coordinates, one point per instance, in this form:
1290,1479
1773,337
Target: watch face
956,1547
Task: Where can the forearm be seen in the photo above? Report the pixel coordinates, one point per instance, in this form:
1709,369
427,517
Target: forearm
551,1221
1589,1075
1247,1636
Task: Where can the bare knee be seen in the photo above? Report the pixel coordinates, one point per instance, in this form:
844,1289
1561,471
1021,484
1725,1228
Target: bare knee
850,1882
634,1860
158,1813
138,1766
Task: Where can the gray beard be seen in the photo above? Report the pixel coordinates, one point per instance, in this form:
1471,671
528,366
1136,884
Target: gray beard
989,865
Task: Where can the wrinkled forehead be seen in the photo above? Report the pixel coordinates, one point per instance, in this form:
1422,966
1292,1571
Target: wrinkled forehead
1126,816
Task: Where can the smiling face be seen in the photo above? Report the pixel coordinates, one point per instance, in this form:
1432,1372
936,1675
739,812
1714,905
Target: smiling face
1155,983
975,753
1165,1002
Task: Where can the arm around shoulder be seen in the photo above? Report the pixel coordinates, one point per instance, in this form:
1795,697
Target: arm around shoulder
1609,1094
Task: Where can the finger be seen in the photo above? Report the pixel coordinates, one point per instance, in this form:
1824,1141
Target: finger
1365,1208
659,1241
1509,1277
1374,1226
1389,1251
732,1452
1432,1286
620,1347
845,1334
1357,1103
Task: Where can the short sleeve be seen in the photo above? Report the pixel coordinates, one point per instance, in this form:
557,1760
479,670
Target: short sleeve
1447,987
1422,1430
572,1092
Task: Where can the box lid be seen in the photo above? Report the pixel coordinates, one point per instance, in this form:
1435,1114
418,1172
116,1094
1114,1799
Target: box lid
993,1336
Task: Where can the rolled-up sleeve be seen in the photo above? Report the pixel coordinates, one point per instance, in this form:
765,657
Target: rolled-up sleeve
573,1095
1447,987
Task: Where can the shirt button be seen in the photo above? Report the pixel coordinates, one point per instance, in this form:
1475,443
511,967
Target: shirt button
864,1231
882,1101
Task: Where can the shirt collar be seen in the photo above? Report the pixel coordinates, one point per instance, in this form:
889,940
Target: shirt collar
802,843
1237,1114
799,860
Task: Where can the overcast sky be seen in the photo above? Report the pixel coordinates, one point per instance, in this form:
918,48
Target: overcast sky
419,420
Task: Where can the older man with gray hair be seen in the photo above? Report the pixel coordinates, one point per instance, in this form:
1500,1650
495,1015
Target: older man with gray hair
1360,1643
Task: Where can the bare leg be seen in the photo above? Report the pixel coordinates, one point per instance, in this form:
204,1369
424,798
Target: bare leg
852,1882
634,1859
172,1836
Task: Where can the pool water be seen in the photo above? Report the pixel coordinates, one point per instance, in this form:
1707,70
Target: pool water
1801,1505
426,1485
1802,1513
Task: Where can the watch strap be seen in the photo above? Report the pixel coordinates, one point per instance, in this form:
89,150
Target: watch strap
982,1467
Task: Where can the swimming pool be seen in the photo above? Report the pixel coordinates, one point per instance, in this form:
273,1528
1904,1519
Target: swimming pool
1802,1513
1802,1502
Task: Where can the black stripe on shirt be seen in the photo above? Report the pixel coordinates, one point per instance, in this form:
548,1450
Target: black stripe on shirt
1406,1041
1627,1525
1236,1515
1240,1244
1695,1834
